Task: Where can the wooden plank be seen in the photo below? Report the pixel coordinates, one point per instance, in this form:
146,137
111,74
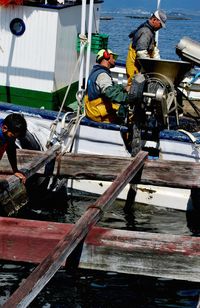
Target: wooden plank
122,251
23,157
30,288
171,173
155,172
27,159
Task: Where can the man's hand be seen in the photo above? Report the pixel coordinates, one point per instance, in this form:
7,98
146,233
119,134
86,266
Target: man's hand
142,54
156,53
21,176
127,88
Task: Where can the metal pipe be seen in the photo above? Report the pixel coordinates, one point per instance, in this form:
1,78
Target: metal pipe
147,94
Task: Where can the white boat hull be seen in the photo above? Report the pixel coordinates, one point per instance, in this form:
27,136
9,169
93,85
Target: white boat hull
95,140
173,198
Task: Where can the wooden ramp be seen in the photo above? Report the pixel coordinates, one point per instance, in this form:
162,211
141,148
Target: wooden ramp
122,251
29,289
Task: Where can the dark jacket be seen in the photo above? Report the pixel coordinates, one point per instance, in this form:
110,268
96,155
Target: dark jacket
8,145
93,90
143,38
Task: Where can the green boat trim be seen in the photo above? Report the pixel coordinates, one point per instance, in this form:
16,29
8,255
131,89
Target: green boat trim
39,99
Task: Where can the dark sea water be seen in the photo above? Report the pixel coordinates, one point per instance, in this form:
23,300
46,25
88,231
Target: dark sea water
92,289
89,289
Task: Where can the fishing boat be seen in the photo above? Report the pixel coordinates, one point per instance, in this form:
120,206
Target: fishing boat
40,89
177,141
45,64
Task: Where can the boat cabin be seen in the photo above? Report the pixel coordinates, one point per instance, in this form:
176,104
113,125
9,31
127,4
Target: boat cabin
38,50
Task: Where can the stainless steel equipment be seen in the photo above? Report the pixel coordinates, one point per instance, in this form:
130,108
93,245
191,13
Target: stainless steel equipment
189,50
174,71
155,97
155,94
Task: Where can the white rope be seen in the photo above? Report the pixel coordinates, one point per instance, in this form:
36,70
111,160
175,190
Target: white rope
192,138
83,39
78,118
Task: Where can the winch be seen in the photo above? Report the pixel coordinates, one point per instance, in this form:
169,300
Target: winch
154,95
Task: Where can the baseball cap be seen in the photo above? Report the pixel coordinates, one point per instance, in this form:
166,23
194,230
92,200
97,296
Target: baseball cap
161,16
100,54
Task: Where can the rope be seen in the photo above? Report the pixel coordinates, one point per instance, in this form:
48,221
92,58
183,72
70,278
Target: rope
83,40
78,118
192,138
193,79
73,124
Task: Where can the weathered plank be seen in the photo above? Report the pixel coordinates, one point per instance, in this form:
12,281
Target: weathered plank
155,172
171,173
122,251
29,289
23,157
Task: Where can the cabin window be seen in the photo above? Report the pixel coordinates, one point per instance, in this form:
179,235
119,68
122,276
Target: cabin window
17,26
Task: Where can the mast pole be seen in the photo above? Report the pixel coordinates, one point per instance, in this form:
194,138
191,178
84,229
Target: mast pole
89,40
82,45
158,7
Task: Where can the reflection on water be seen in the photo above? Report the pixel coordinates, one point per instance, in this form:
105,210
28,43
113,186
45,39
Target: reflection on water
99,290
83,288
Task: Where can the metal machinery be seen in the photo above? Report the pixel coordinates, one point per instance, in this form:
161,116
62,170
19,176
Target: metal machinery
154,94
188,49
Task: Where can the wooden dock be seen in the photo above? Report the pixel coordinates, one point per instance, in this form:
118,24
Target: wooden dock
134,252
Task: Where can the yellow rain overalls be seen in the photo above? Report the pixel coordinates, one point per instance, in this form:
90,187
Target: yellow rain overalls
143,38
97,107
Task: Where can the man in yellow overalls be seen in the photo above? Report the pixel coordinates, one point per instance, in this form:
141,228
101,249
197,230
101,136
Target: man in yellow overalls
103,98
143,43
